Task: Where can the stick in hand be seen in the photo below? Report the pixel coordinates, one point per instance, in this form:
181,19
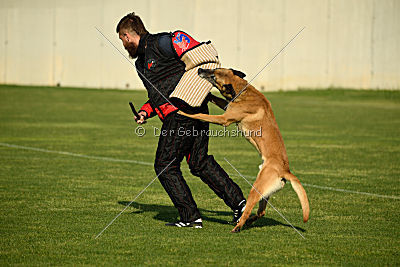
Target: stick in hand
134,112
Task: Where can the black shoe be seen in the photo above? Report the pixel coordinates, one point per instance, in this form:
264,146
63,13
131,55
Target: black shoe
195,224
238,212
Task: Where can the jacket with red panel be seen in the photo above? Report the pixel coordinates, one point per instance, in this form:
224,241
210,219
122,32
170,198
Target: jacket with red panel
160,69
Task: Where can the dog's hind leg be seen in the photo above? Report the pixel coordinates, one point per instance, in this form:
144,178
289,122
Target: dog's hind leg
262,205
254,196
267,183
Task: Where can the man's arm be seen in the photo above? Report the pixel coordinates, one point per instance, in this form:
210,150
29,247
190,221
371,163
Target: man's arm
145,112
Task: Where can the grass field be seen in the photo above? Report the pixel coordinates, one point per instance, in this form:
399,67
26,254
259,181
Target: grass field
53,204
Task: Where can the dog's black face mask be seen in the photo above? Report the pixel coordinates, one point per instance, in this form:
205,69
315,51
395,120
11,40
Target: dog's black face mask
222,79
228,92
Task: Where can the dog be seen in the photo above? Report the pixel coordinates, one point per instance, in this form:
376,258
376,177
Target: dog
252,111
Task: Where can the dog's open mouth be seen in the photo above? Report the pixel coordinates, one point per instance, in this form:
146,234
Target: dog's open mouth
211,79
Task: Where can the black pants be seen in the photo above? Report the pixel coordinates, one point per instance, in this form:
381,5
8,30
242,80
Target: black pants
178,138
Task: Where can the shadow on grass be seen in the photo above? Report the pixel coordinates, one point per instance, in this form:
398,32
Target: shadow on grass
169,214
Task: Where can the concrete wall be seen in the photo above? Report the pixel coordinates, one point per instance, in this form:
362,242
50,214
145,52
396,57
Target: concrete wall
346,43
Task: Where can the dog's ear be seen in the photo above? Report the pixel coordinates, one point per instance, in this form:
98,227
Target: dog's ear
238,73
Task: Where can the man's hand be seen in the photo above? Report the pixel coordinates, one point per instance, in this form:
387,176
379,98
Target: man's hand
142,117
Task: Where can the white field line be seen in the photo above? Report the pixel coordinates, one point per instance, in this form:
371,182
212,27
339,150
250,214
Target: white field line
75,154
337,189
134,199
151,164
350,191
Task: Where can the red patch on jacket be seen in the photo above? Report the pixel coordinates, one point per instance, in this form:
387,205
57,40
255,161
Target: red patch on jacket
183,42
151,63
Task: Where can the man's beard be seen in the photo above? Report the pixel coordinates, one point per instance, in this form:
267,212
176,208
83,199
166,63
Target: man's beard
132,50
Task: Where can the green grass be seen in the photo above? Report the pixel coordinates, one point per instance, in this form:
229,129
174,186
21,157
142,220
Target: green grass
52,205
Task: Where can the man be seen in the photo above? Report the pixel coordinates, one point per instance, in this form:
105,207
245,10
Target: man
160,70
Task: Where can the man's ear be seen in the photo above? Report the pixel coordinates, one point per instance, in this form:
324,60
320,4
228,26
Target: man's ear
130,35
238,73
125,36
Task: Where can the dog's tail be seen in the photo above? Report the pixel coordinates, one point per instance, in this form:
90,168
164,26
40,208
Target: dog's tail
301,193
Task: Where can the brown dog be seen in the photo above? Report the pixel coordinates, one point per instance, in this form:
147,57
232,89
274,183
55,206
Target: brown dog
252,111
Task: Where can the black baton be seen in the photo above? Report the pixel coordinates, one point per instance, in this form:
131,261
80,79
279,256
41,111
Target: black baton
134,111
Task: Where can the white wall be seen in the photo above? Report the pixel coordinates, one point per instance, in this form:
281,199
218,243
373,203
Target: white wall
346,43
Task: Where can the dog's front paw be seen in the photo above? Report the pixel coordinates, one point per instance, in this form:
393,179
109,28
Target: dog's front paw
180,112
186,114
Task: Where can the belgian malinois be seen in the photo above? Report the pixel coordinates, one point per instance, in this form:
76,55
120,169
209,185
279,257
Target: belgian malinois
252,111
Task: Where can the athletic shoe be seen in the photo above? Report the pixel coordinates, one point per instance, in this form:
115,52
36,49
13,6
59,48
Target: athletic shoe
195,224
238,212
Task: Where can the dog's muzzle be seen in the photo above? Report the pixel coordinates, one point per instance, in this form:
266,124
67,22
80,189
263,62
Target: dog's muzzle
204,73
208,75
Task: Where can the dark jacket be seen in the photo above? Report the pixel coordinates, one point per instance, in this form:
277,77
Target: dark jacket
162,69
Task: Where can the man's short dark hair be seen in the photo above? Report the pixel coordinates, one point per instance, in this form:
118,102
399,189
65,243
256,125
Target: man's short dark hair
132,22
